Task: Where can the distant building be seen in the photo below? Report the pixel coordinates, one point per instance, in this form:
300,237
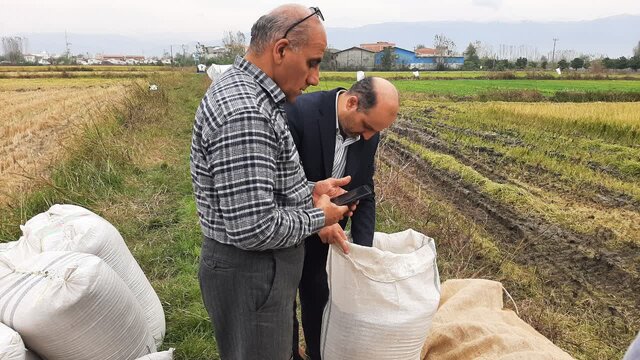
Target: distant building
41,58
406,59
377,46
424,52
214,52
354,58
117,59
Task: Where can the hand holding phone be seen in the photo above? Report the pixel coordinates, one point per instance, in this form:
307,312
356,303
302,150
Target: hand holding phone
350,197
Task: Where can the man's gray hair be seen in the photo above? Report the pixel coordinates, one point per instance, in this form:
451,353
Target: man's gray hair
365,93
271,27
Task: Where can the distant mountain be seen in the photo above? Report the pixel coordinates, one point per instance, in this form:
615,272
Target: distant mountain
612,36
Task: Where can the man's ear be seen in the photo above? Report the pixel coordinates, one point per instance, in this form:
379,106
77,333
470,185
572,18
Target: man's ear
279,50
352,103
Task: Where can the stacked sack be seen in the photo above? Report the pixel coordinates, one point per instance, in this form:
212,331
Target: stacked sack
72,290
11,345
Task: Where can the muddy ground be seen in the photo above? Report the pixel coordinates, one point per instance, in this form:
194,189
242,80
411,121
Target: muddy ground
580,275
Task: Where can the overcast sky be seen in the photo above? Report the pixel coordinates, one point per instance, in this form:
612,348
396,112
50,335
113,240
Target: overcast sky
145,17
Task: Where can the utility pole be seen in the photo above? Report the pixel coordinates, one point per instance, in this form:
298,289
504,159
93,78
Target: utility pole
184,54
67,45
553,56
171,49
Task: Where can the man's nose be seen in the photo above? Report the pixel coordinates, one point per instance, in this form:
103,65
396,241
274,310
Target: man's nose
314,77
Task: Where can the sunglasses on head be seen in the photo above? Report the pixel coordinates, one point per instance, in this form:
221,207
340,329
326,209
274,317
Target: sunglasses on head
315,11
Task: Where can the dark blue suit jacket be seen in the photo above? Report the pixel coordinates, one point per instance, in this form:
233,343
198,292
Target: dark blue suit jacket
312,122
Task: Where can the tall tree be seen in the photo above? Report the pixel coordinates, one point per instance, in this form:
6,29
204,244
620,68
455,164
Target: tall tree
636,50
489,63
577,63
609,63
544,62
328,60
12,48
388,59
634,63
471,59
521,62
235,44
563,64
623,62
445,47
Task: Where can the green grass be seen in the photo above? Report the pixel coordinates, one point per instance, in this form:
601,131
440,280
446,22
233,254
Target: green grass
520,74
544,205
474,87
467,250
134,171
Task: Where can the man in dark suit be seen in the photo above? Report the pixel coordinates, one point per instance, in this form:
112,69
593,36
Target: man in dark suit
336,133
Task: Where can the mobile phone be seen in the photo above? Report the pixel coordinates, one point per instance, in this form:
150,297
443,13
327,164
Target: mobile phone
352,196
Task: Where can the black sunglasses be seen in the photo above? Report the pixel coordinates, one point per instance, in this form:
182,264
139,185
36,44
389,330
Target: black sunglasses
316,11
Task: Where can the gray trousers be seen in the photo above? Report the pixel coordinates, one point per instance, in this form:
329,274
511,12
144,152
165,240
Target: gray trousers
249,296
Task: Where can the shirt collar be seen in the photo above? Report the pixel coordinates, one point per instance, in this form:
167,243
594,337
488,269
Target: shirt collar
269,86
354,139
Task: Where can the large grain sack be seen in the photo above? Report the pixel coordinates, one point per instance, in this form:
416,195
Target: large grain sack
633,352
72,306
11,345
73,228
472,324
4,246
215,71
161,355
381,298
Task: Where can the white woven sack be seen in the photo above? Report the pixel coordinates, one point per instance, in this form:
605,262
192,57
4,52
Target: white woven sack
4,246
11,345
72,306
74,228
161,355
215,71
381,299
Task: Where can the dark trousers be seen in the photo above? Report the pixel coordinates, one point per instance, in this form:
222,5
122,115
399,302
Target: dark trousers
314,293
249,296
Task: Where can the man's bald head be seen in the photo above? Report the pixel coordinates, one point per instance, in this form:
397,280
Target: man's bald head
272,26
374,90
368,107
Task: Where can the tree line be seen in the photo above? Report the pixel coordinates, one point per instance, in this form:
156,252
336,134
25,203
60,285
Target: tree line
472,61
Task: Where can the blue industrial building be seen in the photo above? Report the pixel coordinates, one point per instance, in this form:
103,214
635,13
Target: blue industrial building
408,59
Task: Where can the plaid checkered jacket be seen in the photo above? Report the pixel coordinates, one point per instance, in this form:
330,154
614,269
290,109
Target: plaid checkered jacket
249,185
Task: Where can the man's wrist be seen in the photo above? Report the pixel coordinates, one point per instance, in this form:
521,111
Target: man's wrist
316,215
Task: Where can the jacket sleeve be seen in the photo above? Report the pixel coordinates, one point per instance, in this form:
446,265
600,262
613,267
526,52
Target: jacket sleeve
363,221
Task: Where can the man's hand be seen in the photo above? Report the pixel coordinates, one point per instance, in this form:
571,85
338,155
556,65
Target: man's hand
334,235
332,212
331,187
